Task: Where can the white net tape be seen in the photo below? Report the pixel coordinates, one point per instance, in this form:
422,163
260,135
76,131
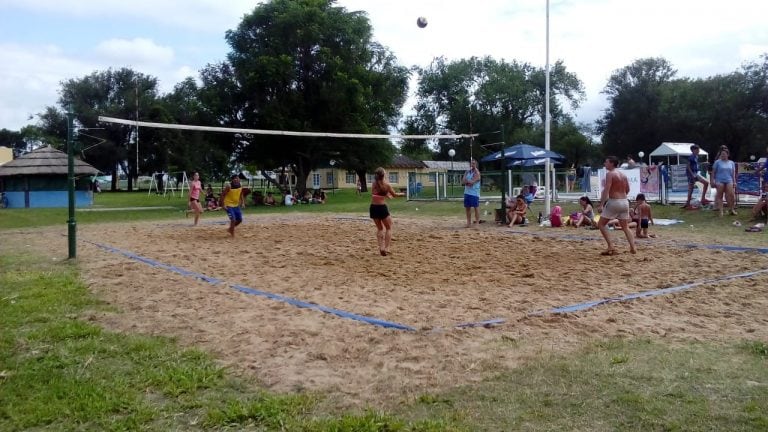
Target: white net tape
276,132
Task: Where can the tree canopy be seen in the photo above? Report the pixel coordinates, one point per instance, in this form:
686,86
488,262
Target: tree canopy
306,65
488,96
649,105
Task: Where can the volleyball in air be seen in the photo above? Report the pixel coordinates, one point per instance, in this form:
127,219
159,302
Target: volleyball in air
421,22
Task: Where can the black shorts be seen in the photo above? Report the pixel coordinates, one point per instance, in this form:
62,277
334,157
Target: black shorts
643,223
378,211
194,199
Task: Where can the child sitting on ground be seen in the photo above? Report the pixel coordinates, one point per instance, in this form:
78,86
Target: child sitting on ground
587,215
555,217
645,217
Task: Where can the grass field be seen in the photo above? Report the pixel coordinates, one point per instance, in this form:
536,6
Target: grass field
60,371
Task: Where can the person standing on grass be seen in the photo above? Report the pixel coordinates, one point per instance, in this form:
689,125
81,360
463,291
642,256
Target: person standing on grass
614,205
692,172
195,187
380,191
724,176
471,182
232,201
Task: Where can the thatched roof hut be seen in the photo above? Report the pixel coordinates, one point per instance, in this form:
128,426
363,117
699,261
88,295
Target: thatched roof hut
39,179
44,161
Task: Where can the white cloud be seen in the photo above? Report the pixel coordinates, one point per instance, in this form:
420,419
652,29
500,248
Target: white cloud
138,51
31,78
202,15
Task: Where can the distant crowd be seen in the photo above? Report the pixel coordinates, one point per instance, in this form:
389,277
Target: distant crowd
258,198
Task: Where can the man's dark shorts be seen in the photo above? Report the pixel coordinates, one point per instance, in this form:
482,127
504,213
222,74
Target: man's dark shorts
471,201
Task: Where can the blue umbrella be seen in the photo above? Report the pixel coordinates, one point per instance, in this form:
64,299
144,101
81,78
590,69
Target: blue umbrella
523,152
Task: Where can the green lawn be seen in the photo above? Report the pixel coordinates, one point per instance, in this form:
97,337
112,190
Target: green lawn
59,371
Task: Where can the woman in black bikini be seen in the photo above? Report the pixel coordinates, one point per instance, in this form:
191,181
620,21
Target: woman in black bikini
380,191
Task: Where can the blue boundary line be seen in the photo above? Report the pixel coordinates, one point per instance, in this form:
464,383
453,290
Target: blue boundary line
594,303
247,290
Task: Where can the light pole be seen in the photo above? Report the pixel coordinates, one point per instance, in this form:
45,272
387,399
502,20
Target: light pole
451,153
333,177
547,119
137,131
640,155
71,222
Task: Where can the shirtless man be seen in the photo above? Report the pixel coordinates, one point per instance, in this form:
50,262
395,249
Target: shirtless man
614,205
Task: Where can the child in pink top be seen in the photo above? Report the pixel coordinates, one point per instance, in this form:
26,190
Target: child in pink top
555,217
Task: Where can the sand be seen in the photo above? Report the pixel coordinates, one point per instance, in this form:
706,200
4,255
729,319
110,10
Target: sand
439,275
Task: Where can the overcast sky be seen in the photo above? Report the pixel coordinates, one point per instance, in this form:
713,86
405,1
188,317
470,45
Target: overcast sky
43,42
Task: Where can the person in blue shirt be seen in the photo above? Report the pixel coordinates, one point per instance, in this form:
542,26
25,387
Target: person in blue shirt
724,176
471,182
692,172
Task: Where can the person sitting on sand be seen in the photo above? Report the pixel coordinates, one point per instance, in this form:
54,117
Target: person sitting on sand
587,214
516,213
269,200
555,217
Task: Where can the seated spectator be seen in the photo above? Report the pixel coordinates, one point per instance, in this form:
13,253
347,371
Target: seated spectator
289,200
587,215
516,213
269,200
760,209
307,198
614,224
258,198
555,217
634,220
211,200
318,197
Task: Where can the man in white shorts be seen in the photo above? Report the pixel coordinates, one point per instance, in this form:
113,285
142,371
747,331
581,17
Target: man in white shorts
614,205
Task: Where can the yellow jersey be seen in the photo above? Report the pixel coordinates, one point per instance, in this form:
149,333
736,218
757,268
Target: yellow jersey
232,198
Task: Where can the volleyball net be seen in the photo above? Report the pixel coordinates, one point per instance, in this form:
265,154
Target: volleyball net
138,123
422,184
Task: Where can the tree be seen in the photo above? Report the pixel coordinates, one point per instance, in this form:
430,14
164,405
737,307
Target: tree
648,107
13,140
305,65
205,152
486,95
631,123
114,93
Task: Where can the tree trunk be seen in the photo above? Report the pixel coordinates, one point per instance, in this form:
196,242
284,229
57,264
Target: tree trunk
113,186
361,178
301,181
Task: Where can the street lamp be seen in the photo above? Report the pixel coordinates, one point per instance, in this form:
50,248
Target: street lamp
451,153
333,177
547,121
641,154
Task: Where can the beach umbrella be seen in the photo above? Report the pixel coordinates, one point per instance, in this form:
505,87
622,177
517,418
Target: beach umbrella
531,162
523,151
